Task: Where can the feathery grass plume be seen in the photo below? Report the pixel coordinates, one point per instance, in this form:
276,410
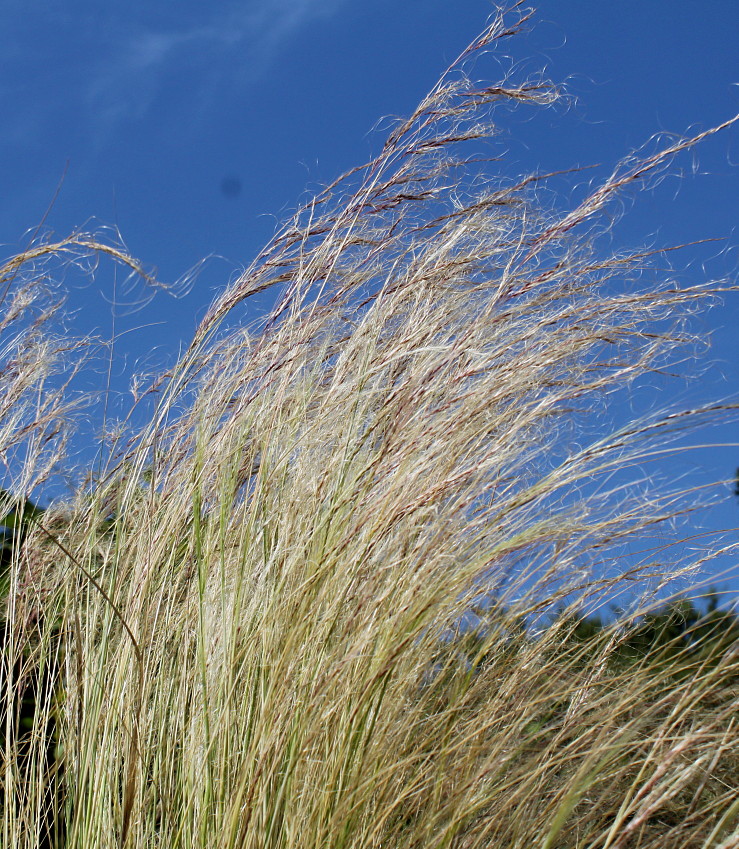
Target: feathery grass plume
38,364
259,603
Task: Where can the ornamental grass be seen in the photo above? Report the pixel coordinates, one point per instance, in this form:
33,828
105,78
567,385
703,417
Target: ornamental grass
331,593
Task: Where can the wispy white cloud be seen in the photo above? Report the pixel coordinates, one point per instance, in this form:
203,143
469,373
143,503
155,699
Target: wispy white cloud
273,21
232,44
99,66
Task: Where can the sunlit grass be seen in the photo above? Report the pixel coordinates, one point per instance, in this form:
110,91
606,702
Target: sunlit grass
246,619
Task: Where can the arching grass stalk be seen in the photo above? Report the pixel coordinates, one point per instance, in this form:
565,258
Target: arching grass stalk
321,498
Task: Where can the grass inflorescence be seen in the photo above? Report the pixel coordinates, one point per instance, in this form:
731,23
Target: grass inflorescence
251,631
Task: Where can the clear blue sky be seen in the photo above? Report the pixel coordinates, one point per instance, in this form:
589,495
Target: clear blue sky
194,128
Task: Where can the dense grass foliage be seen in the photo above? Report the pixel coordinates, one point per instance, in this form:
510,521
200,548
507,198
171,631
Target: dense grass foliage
247,632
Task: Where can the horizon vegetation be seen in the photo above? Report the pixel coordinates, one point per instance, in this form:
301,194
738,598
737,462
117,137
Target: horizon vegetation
237,635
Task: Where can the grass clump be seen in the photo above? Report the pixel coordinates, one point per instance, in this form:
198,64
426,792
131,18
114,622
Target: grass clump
251,617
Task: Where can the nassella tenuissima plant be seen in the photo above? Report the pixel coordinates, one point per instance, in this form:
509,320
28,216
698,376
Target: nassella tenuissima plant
252,616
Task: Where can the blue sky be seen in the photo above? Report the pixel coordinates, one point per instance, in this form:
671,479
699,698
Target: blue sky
195,128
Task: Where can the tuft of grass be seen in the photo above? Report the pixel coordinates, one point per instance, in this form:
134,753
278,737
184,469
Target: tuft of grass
248,624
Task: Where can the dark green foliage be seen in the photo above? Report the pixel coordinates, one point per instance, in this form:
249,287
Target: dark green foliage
15,523
673,639
27,685
681,635
14,526
590,671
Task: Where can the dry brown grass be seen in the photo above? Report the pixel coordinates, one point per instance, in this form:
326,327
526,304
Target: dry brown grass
249,649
